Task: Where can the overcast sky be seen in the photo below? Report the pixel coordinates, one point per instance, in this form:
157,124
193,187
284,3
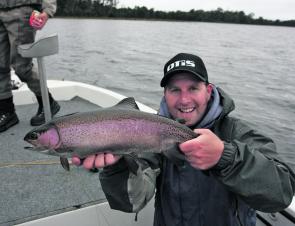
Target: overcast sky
268,9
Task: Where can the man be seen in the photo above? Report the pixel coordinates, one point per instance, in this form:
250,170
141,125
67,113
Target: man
17,28
231,169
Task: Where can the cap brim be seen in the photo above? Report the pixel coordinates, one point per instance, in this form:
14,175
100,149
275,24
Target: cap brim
168,76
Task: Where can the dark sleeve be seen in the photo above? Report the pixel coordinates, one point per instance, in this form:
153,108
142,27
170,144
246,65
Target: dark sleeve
251,167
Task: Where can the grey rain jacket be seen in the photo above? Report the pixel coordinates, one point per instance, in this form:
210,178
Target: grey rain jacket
249,176
48,6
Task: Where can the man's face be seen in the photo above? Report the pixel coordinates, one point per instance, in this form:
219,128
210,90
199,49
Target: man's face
187,98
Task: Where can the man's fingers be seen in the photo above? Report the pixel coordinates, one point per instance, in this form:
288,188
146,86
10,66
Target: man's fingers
111,159
102,160
38,24
76,161
39,21
89,162
99,161
96,161
200,131
189,146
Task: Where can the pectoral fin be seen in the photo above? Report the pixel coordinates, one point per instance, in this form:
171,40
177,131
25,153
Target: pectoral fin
65,163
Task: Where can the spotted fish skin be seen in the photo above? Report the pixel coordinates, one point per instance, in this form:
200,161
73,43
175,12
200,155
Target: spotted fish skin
121,129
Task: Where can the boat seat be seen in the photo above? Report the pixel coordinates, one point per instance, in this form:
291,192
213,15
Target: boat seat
45,46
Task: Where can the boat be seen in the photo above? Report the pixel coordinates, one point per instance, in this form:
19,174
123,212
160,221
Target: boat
36,191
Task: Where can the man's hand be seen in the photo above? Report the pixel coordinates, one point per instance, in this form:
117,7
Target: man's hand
96,161
39,20
204,151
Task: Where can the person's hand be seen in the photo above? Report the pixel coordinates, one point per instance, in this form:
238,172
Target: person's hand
204,151
96,161
39,20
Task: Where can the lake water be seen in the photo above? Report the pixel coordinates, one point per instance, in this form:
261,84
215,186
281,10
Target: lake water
255,65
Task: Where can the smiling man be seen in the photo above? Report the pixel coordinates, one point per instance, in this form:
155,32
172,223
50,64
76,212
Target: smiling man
231,169
187,98
188,91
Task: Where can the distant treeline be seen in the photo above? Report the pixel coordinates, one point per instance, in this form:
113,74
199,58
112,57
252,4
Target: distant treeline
107,8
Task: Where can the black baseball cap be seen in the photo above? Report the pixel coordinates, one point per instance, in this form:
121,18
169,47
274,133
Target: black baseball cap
184,62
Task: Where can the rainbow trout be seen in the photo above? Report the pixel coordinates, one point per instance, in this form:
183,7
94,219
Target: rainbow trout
121,130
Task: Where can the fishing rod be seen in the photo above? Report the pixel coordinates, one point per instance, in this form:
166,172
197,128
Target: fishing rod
31,163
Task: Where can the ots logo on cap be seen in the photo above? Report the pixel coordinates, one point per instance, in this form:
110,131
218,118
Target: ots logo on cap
181,63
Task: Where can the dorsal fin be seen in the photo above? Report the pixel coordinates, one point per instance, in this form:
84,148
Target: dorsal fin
62,116
128,103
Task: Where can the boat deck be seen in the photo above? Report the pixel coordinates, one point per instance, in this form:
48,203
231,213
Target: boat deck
29,192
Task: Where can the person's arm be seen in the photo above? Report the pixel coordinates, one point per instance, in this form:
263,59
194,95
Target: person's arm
49,7
251,168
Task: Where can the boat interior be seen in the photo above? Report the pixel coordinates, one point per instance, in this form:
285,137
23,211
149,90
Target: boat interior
35,189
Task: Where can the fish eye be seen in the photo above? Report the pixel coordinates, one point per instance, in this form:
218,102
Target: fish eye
33,136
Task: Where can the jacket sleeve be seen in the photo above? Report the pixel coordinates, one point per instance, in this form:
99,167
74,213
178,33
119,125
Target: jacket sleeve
251,168
49,6
126,191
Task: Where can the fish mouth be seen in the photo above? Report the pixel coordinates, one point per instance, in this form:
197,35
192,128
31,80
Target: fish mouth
31,136
40,150
35,148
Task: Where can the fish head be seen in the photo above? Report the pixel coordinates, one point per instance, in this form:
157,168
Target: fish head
45,139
